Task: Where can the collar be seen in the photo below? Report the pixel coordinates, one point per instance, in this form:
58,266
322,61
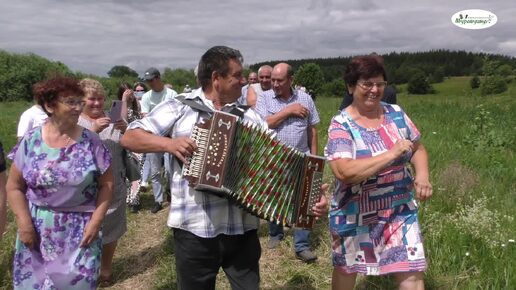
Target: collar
293,93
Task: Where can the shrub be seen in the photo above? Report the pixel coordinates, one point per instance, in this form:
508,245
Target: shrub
494,84
418,84
474,82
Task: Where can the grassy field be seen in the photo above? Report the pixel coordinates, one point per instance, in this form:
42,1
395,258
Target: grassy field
468,225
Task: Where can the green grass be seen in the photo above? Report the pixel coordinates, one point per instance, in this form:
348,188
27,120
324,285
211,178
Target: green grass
466,225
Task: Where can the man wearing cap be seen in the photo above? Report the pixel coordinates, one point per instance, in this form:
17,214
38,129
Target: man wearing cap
157,94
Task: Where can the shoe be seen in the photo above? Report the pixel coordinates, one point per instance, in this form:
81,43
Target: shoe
273,243
134,208
144,186
157,207
306,256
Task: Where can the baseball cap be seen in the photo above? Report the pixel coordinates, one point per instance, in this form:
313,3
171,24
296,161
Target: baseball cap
151,73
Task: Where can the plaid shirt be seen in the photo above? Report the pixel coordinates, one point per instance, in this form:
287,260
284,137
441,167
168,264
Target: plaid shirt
292,131
200,213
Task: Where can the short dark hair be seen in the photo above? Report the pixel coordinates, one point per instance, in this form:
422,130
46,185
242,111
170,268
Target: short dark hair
48,92
216,59
364,66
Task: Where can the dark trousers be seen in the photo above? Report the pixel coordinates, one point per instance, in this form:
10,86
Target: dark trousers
198,260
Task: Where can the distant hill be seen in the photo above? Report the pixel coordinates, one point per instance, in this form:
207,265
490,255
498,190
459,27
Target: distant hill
400,65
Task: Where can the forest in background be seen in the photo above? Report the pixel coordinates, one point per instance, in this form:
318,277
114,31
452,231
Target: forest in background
321,76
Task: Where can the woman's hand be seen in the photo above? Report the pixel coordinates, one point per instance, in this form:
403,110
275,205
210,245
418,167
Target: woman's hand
128,95
423,188
121,125
401,147
100,124
321,208
91,233
27,235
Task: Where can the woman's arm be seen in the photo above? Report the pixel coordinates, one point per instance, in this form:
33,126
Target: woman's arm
422,178
355,171
16,188
104,198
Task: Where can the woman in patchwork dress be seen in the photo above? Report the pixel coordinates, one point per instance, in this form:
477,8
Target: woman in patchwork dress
373,214
59,188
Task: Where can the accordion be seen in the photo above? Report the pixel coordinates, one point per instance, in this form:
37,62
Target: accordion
247,164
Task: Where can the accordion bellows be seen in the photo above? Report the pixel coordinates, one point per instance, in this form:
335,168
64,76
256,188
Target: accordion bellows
247,164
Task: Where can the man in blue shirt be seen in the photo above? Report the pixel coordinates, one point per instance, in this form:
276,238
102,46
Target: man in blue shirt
292,114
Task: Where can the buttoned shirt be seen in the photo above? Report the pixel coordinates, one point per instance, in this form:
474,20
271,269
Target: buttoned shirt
293,130
201,213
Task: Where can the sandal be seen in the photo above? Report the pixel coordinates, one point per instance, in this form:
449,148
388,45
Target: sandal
105,281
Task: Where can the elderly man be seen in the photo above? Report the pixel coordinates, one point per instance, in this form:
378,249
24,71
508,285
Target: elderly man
255,90
292,114
209,231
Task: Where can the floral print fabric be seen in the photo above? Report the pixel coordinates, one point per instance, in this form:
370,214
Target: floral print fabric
61,192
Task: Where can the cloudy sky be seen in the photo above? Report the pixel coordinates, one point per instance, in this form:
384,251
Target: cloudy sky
93,36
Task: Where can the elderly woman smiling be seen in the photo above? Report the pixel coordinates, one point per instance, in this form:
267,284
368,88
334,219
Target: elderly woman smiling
373,215
59,189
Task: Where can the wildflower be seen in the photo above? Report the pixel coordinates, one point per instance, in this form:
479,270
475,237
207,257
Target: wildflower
467,254
511,241
503,245
434,132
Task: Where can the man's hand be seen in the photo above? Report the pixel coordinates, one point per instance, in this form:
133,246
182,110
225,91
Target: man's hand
182,147
298,110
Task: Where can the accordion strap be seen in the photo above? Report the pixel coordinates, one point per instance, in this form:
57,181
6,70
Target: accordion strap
237,110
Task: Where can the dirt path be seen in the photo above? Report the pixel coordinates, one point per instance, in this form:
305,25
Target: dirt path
135,259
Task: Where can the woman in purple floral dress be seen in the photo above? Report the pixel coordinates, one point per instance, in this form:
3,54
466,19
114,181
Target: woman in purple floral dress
59,188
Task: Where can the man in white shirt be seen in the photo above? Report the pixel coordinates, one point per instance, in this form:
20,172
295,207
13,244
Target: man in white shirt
31,118
264,84
157,94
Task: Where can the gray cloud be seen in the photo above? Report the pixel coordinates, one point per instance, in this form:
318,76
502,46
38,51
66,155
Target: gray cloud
93,36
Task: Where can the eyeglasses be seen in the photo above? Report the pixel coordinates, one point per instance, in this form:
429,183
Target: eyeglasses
73,103
369,85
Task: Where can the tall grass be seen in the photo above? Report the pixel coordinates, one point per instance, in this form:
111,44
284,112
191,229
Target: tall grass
468,225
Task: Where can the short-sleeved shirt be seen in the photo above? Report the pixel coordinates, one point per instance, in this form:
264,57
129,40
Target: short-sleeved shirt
392,185
292,131
203,214
31,118
61,179
152,98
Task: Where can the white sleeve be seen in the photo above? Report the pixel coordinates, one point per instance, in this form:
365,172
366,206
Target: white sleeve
25,124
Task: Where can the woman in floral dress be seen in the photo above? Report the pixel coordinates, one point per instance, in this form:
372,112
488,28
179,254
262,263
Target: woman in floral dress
373,213
59,188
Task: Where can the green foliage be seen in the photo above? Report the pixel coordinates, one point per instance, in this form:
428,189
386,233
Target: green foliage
18,72
311,77
494,82
179,78
337,87
437,76
493,85
121,71
484,136
474,83
418,84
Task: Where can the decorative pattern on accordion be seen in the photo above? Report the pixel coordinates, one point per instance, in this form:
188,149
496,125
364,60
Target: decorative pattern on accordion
246,164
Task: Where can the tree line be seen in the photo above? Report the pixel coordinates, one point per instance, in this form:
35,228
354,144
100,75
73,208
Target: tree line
321,76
